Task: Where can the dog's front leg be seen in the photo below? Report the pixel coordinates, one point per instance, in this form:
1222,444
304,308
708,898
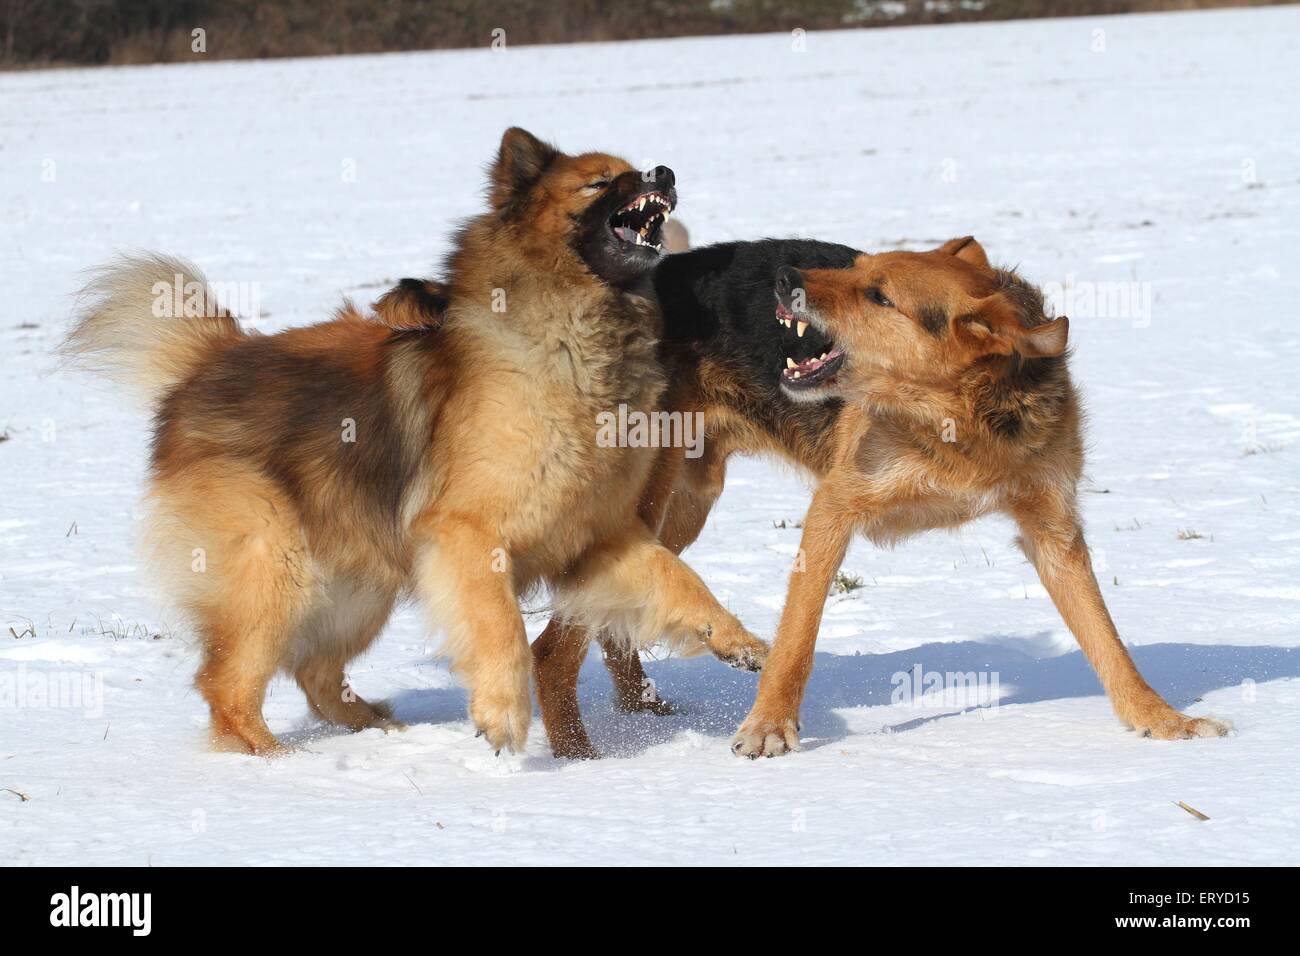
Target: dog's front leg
1052,538
772,726
634,580
465,577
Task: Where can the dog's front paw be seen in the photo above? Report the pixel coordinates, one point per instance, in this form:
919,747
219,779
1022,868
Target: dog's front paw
1169,724
761,736
502,718
739,649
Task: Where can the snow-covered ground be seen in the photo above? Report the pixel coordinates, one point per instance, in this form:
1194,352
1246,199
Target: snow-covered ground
1158,151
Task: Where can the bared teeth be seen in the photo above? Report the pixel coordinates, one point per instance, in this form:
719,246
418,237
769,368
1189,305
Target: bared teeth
649,199
789,362
802,328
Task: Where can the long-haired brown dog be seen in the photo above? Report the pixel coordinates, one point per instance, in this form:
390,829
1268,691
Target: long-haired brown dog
921,389
302,482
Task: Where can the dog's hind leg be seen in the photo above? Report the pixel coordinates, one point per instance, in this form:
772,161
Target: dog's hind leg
676,502
231,551
1053,540
247,636
233,679
557,658
634,691
342,626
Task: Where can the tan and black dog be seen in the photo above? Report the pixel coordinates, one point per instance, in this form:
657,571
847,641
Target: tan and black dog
957,402
886,357
302,482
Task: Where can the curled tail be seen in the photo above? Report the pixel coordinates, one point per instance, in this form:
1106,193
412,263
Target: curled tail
148,321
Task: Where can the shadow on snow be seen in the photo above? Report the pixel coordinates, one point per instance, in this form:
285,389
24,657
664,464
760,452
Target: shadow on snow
712,699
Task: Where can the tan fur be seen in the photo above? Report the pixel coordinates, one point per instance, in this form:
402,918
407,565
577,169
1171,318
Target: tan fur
675,238
302,482
892,475
1017,450
675,503
415,304
132,332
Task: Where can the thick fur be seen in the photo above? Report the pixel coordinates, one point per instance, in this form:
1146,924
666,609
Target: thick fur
412,304
968,354
723,349
957,403
302,482
131,331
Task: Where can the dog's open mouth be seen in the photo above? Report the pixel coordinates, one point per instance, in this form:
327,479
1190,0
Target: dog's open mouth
640,222
812,372
811,358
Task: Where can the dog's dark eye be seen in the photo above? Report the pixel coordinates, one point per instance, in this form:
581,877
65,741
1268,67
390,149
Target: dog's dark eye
878,297
598,184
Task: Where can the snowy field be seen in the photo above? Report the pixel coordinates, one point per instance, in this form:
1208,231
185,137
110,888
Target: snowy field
1160,155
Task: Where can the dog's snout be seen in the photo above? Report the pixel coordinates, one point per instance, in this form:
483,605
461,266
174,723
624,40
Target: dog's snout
787,280
662,176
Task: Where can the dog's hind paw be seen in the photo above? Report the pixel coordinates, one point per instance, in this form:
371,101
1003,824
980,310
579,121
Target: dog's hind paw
637,705
381,718
575,749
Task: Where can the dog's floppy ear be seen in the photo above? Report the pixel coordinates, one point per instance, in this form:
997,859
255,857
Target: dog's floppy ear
968,250
520,162
994,329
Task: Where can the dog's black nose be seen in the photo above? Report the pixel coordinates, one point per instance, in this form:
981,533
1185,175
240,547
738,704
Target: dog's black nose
787,280
663,176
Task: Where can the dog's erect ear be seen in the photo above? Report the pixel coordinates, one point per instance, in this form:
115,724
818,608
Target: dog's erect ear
982,333
968,250
520,163
994,329
1045,341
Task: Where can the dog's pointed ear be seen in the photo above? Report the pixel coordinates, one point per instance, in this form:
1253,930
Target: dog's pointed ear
519,164
982,332
994,329
1045,341
968,250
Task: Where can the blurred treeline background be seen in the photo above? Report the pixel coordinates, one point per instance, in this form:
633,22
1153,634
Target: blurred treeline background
45,32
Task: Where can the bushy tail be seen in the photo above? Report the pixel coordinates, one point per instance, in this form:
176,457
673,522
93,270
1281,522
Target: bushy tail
148,321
